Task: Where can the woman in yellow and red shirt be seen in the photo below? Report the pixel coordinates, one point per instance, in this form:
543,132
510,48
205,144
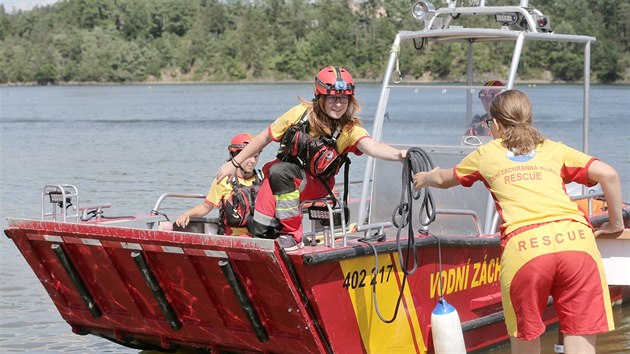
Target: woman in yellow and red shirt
548,244
329,120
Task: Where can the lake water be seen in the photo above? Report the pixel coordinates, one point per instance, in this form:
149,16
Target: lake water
126,145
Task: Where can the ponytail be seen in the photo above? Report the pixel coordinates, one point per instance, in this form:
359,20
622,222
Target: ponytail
513,110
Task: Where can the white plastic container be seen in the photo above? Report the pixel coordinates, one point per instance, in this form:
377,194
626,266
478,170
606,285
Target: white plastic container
446,329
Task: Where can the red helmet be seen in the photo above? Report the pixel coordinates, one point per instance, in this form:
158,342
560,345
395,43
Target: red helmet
239,141
334,80
494,83
490,93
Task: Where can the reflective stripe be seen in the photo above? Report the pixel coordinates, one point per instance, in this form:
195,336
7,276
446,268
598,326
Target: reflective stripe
288,196
264,219
287,213
287,205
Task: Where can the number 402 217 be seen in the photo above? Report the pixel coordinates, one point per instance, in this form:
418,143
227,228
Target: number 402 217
357,278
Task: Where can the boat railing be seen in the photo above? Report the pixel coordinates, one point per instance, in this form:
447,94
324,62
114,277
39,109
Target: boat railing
93,212
590,196
523,15
203,225
158,204
466,212
63,200
331,219
322,214
519,25
463,212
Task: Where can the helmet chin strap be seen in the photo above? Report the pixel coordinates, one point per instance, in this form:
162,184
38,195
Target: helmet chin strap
242,173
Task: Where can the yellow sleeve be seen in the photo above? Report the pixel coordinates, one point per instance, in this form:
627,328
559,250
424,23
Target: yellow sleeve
282,124
575,168
218,191
467,170
349,139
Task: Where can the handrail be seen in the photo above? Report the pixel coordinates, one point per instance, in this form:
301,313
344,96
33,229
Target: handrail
156,208
96,209
590,197
487,10
68,193
329,234
462,212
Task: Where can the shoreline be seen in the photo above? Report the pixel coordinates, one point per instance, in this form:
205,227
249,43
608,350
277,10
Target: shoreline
168,78
268,82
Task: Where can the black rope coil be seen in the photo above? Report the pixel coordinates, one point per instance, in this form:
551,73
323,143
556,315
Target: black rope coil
417,160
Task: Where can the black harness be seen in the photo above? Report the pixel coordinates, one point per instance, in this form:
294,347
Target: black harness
236,208
318,157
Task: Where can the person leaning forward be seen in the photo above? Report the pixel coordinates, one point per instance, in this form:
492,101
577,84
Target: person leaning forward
315,136
548,244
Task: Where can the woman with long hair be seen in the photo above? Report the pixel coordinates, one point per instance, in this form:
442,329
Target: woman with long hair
548,243
315,137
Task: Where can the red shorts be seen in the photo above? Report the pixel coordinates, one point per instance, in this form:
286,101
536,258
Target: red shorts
560,259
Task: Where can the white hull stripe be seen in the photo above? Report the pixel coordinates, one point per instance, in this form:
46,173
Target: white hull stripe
171,249
216,254
205,253
91,242
53,238
129,245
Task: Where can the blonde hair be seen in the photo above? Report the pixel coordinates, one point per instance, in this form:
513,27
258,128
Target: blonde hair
513,110
320,123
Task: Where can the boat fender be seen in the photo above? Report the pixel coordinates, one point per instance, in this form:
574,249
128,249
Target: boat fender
446,329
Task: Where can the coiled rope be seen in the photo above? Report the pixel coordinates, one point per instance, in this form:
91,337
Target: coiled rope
417,160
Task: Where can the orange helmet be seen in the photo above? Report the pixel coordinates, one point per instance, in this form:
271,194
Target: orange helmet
239,141
334,80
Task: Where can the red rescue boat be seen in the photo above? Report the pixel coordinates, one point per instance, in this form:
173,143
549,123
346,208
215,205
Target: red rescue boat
364,288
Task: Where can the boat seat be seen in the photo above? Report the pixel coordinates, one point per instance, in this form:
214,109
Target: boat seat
460,211
200,225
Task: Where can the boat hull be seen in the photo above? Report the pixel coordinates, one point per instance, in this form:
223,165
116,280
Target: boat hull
145,288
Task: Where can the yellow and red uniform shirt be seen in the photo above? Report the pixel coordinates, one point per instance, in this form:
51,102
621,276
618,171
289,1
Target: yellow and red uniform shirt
528,189
220,190
549,248
346,142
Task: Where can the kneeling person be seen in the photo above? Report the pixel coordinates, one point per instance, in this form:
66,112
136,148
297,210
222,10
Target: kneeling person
234,197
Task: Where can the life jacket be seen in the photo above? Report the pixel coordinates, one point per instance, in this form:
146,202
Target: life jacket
317,156
239,204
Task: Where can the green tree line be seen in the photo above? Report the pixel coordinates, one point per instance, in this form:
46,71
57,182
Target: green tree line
263,40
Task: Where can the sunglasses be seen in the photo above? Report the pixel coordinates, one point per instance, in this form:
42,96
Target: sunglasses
488,121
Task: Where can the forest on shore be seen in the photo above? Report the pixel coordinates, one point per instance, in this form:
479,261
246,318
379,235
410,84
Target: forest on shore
124,41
